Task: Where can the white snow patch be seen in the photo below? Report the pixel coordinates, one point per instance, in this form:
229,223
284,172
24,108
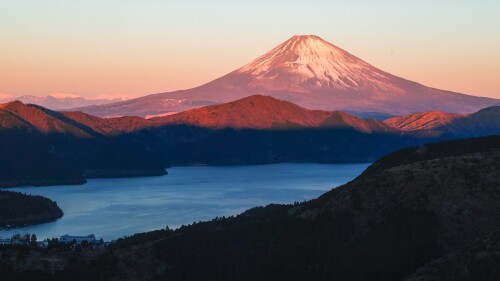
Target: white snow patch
64,96
160,115
172,101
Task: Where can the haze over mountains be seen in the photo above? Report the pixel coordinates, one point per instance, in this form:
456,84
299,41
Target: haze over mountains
59,101
311,73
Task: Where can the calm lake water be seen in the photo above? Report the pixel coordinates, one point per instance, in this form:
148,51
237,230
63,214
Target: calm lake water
113,208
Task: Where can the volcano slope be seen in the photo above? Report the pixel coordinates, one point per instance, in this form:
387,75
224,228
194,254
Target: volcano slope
311,73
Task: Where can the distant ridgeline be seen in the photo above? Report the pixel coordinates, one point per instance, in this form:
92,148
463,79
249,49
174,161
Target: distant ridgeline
424,213
43,147
18,209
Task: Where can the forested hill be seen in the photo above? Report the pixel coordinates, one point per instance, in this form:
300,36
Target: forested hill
44,147
409,208
17,209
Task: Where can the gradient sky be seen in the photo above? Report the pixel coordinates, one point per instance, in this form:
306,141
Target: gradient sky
136,47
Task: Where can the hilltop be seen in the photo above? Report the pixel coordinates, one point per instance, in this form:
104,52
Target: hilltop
264,112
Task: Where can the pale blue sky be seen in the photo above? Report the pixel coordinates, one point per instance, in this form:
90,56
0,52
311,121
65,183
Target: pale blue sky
132,47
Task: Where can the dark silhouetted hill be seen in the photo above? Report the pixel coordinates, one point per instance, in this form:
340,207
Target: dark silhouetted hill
18,209
423,212
43,147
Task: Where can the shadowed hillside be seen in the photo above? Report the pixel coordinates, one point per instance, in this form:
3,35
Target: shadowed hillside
409,208
44,147
405,210
18,209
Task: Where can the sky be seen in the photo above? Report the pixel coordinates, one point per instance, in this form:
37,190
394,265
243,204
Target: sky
129,48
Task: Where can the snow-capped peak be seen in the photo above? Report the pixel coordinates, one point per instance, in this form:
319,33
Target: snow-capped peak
311,62
64,96
5,96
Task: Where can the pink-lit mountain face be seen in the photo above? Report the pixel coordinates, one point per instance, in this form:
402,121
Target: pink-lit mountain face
312,73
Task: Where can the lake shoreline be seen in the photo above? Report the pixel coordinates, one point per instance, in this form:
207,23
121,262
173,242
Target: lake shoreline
112,208
136,173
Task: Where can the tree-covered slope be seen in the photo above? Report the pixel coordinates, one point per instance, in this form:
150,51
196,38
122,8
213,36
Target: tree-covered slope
417,211
17,209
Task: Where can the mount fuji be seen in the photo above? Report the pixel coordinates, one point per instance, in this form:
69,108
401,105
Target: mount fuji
311,73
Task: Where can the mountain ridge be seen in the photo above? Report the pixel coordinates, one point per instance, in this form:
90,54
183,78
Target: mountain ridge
264,112
67,147
422,120
253,112
483,122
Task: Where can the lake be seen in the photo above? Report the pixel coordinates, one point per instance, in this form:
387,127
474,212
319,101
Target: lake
113,208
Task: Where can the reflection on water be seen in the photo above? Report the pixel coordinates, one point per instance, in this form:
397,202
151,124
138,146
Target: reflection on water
112,208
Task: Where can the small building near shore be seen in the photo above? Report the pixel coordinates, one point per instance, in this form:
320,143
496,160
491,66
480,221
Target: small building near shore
4,242
66,239
43,244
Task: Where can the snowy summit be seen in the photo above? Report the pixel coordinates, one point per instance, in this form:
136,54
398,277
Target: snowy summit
311,62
